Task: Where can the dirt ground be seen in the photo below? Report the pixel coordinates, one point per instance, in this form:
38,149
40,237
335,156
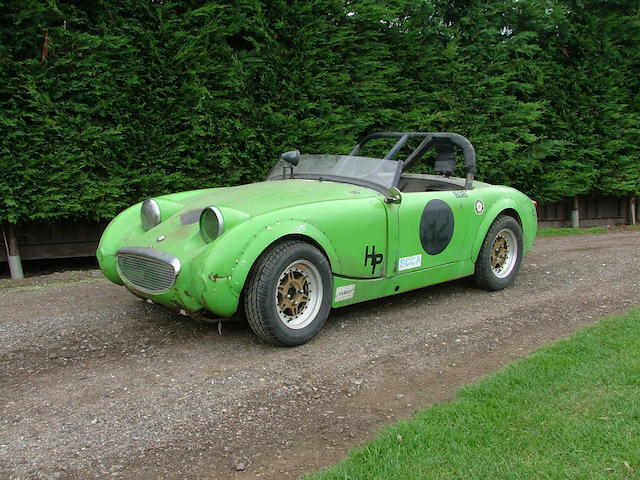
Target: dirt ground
95,383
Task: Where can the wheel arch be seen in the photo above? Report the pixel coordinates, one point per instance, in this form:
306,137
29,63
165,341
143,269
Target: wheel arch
302,238
289,237
511,212
505,207
261,243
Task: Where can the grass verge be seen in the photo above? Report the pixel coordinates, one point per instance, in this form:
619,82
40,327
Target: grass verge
552,232
570,410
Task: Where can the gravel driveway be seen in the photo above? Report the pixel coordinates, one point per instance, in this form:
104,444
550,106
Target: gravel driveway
95,383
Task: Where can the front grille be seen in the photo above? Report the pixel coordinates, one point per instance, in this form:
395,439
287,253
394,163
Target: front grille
147,270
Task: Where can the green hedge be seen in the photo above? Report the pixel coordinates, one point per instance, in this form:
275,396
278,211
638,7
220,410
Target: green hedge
139,97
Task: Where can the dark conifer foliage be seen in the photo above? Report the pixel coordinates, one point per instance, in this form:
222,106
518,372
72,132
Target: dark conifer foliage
105,102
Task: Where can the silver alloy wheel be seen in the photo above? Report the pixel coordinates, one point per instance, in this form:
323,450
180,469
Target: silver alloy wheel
299,294
504,253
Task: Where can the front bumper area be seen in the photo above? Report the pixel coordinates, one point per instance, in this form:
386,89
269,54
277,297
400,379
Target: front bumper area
165,279
147,270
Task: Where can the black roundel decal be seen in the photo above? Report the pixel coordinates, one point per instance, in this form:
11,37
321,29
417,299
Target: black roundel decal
436,227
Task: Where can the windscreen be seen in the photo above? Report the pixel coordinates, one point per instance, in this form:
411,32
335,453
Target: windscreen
371,172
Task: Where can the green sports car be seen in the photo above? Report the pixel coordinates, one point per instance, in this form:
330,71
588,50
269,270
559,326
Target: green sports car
322,231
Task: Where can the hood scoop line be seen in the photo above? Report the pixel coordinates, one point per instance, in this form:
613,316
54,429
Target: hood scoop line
192,216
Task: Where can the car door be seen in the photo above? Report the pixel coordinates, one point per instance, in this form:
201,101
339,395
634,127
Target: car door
432,229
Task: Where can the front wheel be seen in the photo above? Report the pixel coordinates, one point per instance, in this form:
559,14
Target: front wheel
287,297
500,255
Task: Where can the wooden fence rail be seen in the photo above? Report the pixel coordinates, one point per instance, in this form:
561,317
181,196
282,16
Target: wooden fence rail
80,239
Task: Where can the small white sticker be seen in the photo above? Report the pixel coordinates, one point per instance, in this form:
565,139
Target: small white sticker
479,207
345,293
405,263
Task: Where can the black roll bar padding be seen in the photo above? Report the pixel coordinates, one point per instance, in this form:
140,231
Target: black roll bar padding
468,184
420,150
396,148
456,139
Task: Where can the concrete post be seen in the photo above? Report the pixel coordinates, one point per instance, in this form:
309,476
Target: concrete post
15,265
575,213
631,211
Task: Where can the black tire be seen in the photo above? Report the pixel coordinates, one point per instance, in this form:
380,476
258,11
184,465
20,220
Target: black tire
287,275
496,267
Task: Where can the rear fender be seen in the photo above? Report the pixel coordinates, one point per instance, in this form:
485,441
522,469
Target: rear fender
489,217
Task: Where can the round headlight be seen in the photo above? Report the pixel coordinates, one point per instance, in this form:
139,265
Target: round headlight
211,224
149,213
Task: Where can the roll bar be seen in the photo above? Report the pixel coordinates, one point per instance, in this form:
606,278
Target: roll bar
444,143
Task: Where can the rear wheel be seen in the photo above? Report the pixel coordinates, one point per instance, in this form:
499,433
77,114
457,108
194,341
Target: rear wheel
500,255
287,298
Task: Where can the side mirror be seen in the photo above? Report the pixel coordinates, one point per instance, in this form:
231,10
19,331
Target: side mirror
292,157
393,196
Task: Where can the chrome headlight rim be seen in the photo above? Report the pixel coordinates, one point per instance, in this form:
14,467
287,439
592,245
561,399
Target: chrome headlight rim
150,214
205,216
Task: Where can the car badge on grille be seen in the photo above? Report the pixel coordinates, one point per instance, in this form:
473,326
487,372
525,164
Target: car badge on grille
161,238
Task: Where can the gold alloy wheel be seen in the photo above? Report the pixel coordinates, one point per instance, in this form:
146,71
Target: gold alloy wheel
293,293
299,294
504,253
499,253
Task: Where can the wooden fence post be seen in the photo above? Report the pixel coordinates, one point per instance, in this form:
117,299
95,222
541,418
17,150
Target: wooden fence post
13,255
575,213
